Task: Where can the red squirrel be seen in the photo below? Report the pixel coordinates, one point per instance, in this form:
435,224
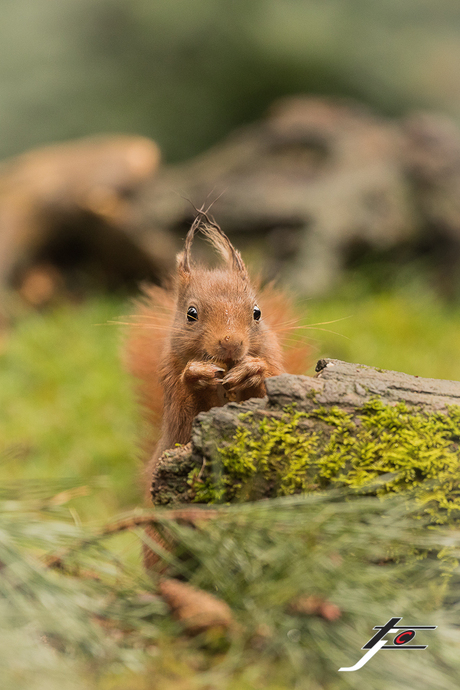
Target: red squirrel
211,337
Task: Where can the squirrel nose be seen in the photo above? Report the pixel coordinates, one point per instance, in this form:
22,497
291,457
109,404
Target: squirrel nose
230,344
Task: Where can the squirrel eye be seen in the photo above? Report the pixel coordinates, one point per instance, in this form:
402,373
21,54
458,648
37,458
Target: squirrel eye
192,314
257,313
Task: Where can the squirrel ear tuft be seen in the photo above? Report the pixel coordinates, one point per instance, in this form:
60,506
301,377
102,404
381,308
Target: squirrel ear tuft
183,267
219,240
206,224
184,259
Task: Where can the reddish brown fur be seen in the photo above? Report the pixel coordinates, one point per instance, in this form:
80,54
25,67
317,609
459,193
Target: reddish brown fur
184,368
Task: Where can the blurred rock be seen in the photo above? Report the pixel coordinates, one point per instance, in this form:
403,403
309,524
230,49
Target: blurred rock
323,182
68,221
432,158
318,185
311,181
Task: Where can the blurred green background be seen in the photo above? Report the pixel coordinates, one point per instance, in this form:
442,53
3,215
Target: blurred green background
185,73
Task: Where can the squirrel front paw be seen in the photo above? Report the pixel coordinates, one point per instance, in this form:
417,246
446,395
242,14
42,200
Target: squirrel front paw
249,373
199,375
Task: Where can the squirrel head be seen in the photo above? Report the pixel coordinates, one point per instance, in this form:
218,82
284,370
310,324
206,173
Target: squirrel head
217,316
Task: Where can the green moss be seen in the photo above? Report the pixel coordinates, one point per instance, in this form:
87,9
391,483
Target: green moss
418,451
413,451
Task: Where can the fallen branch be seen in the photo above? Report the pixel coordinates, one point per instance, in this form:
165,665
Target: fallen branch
350,424
188,516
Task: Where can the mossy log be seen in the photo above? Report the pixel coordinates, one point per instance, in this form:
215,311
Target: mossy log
353,425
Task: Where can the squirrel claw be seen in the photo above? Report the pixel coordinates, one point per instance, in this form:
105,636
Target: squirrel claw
250,382
202,374
247,374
